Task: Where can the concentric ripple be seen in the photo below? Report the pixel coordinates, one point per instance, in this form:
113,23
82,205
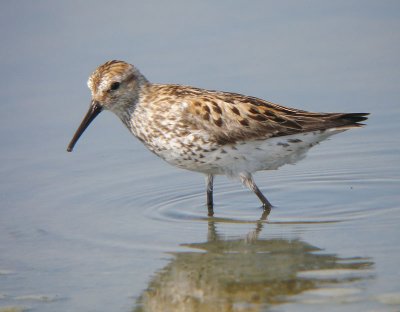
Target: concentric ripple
301,195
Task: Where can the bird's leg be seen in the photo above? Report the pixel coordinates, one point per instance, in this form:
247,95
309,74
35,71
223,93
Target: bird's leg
248,181
210,202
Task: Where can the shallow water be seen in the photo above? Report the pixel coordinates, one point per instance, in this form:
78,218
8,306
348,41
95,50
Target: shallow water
110,227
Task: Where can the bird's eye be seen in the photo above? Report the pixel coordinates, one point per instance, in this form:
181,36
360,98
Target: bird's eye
114,86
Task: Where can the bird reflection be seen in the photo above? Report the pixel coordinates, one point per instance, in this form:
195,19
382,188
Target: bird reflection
244,274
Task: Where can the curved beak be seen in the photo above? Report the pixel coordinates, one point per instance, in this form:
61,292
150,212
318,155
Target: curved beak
94,109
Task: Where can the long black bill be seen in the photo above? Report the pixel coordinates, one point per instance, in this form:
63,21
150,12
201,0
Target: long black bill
93,111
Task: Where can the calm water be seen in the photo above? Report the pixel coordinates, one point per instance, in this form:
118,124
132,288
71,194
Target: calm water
110,227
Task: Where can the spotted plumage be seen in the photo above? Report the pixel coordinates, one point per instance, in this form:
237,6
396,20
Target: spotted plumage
212,132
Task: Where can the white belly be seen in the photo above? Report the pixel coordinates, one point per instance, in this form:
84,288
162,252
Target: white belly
246,156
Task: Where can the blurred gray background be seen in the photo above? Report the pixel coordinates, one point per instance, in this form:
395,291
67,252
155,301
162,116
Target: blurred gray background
89,229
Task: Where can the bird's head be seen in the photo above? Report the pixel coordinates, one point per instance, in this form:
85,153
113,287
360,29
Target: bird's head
114,86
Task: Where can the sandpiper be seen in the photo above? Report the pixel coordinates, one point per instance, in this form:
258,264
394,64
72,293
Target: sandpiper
212,132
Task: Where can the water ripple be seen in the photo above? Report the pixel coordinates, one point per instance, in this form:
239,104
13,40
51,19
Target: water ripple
307,197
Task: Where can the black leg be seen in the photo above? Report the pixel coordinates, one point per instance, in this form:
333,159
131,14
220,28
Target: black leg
210,202
247,180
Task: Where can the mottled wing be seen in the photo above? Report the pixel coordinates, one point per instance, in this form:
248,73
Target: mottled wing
231,117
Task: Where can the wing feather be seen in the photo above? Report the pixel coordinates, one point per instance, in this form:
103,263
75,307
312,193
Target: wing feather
232,117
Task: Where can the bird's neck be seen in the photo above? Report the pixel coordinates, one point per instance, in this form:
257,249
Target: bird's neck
127,110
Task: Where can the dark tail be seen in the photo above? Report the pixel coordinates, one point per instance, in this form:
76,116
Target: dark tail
355,117
348,120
